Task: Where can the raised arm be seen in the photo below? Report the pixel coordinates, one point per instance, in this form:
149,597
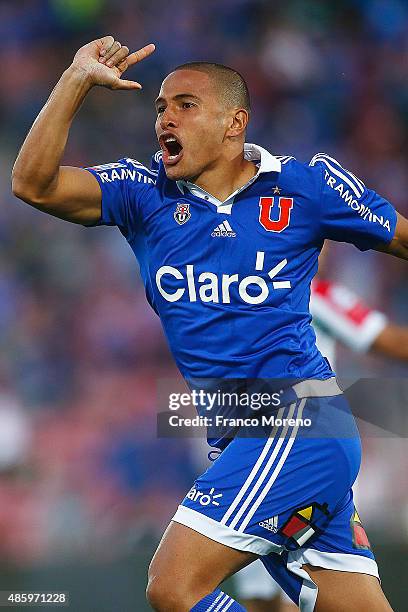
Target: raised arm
38,178
399,244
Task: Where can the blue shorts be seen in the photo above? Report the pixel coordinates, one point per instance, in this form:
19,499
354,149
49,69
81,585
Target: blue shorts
287,496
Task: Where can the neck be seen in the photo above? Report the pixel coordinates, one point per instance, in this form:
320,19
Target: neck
226,176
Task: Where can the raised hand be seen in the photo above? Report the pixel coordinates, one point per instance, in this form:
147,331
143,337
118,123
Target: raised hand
103,62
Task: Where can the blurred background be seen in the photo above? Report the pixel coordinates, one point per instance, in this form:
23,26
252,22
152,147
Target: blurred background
86,487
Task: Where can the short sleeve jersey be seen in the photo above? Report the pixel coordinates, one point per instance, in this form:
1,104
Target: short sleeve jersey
230,280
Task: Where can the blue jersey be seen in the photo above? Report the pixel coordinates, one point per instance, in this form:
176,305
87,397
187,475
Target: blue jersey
230,280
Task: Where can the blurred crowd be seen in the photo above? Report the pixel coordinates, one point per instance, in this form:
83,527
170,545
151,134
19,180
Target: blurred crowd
82,471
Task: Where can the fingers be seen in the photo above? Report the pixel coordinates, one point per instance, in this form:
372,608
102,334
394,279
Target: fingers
108,52
106,43
113,55
123,84
140,55
115,58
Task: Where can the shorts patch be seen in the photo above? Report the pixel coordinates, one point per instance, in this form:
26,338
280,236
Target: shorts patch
359,536
305,523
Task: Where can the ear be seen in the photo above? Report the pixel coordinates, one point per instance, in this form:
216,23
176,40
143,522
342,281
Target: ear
238,122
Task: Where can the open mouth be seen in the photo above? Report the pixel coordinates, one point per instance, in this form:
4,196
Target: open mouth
172,149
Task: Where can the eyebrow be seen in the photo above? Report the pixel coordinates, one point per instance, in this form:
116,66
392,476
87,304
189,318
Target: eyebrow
177,97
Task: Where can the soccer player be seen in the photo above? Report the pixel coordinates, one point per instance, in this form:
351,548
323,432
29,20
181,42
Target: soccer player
227,237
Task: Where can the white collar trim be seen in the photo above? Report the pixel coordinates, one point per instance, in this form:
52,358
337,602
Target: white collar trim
268,162
252,152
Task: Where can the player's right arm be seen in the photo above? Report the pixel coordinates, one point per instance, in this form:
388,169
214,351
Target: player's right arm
399,244
346,318
392,342
38,178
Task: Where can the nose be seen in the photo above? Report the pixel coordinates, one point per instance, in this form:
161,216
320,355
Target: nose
167,119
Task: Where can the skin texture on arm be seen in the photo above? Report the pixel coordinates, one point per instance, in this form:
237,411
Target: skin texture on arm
70,193
392,342
38,178
399,244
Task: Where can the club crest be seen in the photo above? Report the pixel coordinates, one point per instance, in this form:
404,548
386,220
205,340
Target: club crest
182,213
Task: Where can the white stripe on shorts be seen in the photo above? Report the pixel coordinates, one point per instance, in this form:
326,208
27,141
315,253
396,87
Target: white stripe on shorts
266,470
253,472
276,471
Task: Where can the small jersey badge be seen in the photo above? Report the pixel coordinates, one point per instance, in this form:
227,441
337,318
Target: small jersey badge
182,213
267,207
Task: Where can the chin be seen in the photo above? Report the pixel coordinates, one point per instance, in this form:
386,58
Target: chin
175,173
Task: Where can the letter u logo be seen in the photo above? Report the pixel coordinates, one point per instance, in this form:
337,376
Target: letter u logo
265,206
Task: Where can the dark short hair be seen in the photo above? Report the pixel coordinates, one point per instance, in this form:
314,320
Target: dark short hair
232,85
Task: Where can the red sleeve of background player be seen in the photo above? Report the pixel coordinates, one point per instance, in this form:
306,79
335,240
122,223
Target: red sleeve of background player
343,315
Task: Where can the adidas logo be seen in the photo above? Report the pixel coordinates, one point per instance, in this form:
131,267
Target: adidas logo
223,230
271,524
